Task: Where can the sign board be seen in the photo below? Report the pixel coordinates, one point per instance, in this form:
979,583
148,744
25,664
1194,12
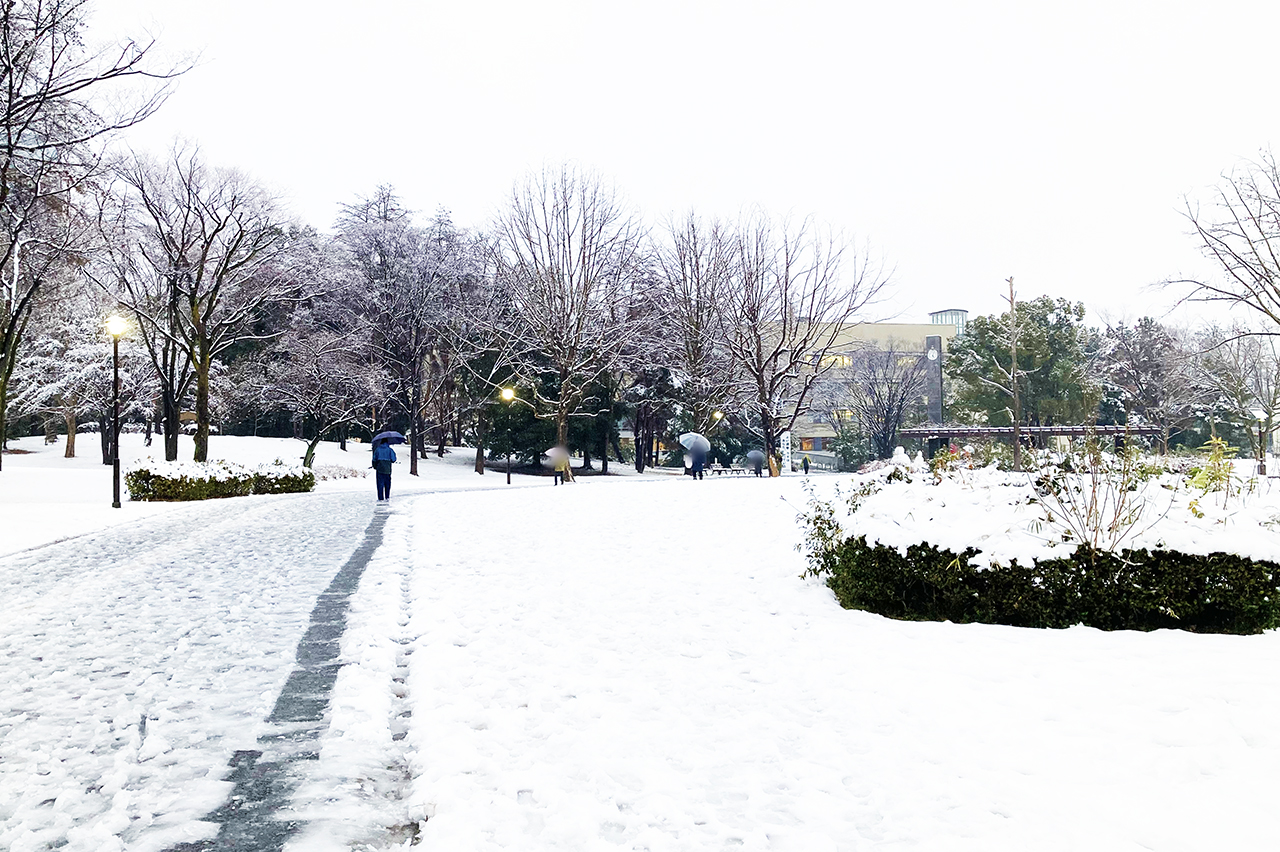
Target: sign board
785,444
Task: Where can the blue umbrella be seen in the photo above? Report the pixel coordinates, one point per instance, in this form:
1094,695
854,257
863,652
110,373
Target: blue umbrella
389,437
755,455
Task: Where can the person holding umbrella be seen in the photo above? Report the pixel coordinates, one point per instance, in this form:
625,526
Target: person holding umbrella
756,457
698,447
560,456
383,458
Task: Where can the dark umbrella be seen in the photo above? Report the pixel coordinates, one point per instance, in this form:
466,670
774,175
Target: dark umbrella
389,437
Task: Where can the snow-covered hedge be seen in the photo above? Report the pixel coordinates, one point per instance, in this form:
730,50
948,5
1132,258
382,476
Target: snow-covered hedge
1131,590
152,480
1113,543
325,472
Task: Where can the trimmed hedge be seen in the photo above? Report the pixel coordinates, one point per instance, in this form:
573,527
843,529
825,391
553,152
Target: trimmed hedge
285,481
1132,590
211,480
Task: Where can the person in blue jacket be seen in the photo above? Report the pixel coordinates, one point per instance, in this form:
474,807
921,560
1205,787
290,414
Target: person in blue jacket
699,463
383,458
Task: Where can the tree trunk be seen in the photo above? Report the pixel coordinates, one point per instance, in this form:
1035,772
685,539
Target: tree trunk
170,424
638,438
309,457
203,365
562,426
104,432
6,370
69,414
770,441
604,425
414,427
342,438
1013,377
481,433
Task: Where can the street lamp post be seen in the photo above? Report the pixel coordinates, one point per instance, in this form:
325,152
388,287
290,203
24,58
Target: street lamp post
115,327
508,394
1261,416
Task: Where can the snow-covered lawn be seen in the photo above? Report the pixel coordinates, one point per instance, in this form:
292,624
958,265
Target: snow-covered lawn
613,664
638,666
45,497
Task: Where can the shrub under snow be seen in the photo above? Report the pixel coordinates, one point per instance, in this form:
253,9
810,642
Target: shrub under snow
153,480
1089,538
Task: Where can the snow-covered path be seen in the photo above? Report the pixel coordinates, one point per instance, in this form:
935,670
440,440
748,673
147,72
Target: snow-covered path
135,662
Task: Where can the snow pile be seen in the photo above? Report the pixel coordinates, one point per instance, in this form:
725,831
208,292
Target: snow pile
1003,516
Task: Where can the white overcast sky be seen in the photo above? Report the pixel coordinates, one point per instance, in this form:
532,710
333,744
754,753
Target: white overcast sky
967,141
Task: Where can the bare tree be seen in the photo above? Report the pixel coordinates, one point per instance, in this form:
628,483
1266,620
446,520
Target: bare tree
1155,370
886,385
411,273
1243,369
65,370
697,265
52,92
567,254
1241,235
794,296
320,371
205,257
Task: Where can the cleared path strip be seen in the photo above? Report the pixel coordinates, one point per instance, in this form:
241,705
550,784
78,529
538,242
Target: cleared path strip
251,820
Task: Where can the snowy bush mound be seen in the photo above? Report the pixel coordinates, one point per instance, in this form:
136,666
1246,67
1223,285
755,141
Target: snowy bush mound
1110,541
330,472
153,480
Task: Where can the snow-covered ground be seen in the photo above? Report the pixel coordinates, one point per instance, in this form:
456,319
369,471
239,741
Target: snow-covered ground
614,664
45,497
187,620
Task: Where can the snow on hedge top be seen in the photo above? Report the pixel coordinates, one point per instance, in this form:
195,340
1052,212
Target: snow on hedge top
1000,514
218,471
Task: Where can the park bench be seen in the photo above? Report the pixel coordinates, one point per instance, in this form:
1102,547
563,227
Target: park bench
734,471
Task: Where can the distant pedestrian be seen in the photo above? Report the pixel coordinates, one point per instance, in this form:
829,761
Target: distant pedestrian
804,463
757,465
562,465
383,458
699,464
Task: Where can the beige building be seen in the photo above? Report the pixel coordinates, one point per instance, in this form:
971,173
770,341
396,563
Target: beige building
813,432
